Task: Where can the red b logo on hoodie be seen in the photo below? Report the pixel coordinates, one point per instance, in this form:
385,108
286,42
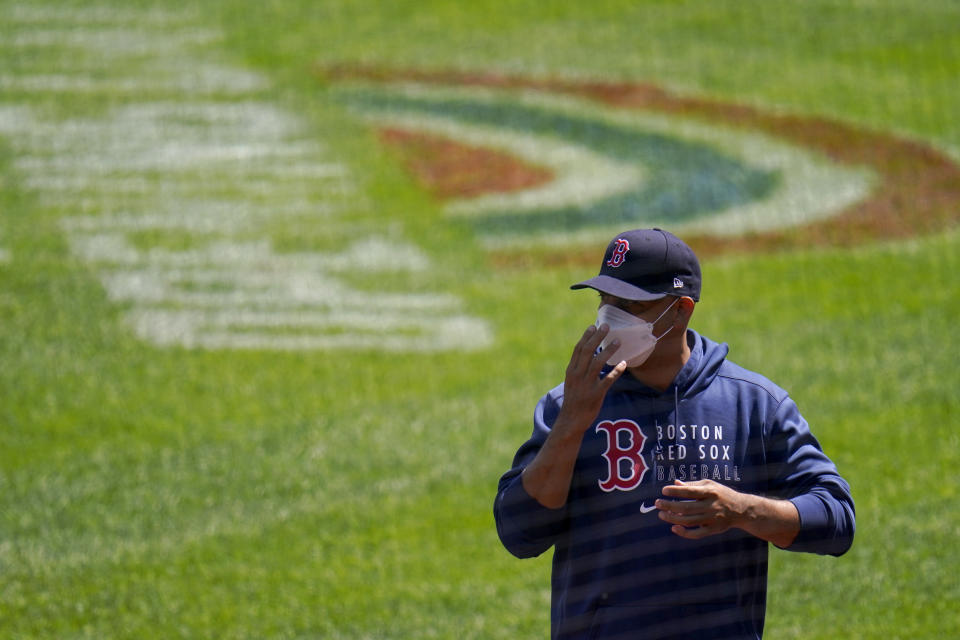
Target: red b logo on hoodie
625,466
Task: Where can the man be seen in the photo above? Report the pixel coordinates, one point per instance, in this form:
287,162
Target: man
659,471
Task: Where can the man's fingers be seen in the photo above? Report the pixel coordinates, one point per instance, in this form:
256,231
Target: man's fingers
613,374
685,513
694,533
687,490
687,520
607,352
585,359
583,352
676,506
694,525
593,343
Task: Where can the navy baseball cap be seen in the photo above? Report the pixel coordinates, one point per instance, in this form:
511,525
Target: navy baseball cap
647,264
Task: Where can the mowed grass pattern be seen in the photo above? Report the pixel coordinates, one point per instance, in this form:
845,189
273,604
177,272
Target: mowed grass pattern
163,489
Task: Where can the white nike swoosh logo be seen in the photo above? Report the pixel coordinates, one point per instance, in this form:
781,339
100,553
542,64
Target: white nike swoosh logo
645,509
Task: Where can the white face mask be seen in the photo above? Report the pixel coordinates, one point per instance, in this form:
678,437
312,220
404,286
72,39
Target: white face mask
636,337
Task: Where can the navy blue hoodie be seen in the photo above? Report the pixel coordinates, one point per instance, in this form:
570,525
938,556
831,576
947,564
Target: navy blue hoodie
618,570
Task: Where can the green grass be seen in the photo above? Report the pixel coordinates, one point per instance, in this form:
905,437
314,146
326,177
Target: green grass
163,492
879,62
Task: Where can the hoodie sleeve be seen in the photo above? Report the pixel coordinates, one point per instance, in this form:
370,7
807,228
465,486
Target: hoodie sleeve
801,472
526,527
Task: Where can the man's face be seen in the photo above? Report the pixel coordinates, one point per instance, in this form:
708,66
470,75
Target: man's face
647,310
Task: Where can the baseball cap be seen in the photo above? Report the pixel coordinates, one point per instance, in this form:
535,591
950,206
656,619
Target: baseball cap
647,264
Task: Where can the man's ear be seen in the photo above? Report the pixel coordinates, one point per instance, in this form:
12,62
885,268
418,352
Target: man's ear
685,309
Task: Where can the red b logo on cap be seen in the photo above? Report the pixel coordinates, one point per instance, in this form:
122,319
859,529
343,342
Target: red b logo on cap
619,253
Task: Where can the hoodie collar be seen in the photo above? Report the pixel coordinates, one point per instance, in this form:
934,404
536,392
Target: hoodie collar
705,359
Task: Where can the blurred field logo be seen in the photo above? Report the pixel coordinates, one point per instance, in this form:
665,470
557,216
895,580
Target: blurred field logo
726,176
173,187
178,173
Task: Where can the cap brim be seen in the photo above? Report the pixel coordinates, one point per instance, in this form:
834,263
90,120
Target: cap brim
618,288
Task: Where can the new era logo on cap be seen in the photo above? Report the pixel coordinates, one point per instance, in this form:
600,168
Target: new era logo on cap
677,283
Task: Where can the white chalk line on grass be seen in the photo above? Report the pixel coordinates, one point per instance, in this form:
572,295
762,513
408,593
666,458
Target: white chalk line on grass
376,254
206,216
221,168
45,15
199,79
124,40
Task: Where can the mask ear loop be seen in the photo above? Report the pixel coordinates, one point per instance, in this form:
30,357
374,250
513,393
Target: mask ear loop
675,300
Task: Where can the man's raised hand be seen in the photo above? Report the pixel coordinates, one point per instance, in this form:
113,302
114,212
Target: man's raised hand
584,388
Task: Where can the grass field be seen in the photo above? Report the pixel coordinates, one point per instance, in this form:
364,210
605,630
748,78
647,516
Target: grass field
257,382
